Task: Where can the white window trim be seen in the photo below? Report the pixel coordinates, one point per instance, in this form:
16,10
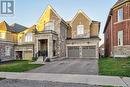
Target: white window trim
50,26
29,37
7,50
119,18
80,29
121,37
2,35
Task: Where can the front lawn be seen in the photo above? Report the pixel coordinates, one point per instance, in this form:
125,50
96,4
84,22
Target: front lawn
17,66
114,67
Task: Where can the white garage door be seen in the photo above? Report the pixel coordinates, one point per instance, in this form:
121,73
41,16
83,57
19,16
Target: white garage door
82,51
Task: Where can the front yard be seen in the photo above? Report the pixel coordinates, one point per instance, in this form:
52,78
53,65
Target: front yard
17,66
114,67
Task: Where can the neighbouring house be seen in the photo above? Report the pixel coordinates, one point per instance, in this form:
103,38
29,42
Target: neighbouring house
54,37
6,50
6,44
24,49
101,51
117,30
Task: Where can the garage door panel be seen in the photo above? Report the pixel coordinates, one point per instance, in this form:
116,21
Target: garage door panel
73,51
88,51
28,55
82,51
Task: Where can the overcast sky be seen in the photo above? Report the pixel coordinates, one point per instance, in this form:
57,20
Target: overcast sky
27,12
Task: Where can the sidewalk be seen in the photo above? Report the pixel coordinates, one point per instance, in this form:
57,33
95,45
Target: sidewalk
70,78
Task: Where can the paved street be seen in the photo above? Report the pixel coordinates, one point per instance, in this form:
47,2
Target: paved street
70,66
68,78
34,83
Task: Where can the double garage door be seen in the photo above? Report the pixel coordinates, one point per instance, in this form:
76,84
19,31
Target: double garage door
81,51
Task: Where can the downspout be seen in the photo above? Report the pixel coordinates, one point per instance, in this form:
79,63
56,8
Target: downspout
112,44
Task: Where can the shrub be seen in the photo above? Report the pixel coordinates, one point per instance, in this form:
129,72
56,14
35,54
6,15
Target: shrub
34,58
128,57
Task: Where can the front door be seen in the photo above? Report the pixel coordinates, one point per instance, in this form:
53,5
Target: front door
43,48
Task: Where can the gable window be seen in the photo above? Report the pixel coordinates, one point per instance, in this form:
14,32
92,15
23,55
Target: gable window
120,14
7,51
49,26
28,37
120,38
80,29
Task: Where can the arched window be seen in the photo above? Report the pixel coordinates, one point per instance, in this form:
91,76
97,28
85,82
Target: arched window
80,29
49,26
28,37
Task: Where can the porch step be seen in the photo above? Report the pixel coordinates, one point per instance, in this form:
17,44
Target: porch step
39,61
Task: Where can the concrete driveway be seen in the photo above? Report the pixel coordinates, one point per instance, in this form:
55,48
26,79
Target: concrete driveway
70,66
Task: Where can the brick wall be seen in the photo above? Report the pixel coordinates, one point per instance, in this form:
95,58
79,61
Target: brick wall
107,41
117,26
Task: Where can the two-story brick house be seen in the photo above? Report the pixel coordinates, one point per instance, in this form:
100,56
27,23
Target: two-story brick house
54,37
117,30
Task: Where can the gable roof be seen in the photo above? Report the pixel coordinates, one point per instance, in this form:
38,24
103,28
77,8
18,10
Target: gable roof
4,26
49,7
17,28
80,11
31,29
119,2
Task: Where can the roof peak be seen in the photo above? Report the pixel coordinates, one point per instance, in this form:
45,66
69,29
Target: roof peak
49,6
80,11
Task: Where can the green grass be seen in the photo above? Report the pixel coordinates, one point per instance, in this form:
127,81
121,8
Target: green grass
17,66
114,67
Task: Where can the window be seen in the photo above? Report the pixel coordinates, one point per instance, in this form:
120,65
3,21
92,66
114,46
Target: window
2,35
49,26
80,29
120,38
28,37
7,50
120,14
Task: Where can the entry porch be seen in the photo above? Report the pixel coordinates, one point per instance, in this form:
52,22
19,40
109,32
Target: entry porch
46,44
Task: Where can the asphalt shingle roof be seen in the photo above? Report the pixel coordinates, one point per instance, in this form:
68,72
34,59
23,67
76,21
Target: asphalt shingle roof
4,26
17,28
119,1
13,28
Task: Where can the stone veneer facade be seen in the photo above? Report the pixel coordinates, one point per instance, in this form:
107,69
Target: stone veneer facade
3,45
56,41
